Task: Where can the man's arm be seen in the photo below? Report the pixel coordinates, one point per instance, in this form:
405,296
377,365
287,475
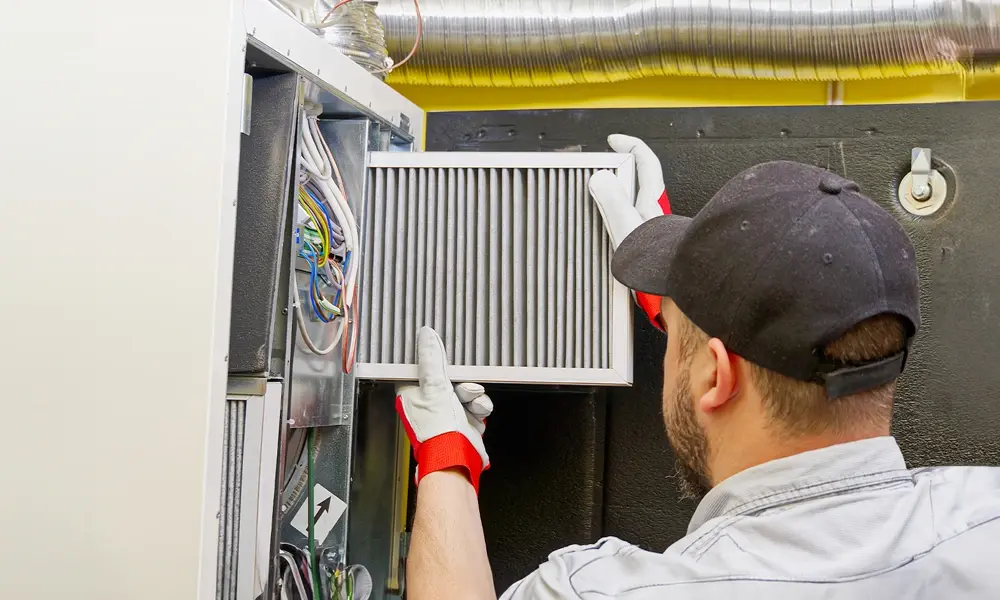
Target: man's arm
445,424
448,552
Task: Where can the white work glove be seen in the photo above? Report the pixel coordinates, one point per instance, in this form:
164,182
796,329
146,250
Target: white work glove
445,423
623,214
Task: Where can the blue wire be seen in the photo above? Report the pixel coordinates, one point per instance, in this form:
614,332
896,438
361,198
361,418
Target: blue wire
312,295
307,245
309,255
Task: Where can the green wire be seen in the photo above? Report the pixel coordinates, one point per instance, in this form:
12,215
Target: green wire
311,527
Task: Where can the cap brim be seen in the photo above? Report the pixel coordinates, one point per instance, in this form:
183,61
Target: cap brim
642,261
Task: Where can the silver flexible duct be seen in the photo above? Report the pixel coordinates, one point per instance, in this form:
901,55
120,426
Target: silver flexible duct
355,30
555,42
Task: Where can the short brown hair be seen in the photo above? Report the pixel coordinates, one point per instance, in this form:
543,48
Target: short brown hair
799,407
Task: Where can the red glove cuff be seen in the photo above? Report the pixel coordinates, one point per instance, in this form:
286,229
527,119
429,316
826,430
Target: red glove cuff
649,303
451,450
664,203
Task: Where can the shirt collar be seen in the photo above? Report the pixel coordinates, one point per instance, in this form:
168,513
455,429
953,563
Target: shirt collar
865,463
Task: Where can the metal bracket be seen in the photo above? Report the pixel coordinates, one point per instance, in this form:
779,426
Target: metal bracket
246,385
920,170
247,104
923,190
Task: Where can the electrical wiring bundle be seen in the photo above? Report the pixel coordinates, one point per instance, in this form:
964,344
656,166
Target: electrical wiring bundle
327,236
298,581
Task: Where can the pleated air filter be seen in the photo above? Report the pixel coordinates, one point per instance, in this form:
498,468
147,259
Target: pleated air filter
505,255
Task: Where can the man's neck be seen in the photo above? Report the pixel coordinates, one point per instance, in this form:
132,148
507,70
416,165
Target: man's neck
767,447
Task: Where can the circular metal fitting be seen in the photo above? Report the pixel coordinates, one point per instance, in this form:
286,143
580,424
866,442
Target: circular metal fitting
923,202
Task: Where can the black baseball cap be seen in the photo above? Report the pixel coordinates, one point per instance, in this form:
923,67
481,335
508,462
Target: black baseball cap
783,260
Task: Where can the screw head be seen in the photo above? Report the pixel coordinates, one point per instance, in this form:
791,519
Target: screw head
920,191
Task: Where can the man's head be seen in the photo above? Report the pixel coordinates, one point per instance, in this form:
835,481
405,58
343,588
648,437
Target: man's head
715,400
789,302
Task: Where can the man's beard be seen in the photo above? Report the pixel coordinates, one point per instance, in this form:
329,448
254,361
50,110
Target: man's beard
688,440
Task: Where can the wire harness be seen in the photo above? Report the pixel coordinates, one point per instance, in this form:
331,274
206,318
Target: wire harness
327,236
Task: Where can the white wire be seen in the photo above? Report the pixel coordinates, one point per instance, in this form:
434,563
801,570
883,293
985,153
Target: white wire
352,224
343,213
313,157
336,275
306,338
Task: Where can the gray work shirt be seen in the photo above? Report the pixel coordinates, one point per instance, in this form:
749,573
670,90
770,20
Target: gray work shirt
847,521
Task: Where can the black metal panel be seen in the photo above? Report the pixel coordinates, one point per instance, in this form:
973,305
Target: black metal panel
948,409
264,190
544,488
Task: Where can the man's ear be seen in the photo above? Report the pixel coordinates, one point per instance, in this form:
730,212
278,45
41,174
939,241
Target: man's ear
725,385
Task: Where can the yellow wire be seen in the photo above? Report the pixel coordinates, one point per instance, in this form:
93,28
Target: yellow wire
310,208
318,218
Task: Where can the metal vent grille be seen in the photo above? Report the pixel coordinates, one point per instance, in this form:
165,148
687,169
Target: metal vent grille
232,483
505,255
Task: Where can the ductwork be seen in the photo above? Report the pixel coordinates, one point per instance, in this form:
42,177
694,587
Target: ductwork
511,43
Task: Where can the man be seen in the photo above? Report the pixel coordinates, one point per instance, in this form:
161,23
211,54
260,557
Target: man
790,301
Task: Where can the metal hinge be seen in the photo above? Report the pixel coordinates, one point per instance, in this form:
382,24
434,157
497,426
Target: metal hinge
247,104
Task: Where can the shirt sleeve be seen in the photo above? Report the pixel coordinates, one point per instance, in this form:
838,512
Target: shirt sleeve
554,579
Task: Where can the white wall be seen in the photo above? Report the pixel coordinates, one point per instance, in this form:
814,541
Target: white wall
116,227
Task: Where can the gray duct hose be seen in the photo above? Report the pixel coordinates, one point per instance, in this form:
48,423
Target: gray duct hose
513,43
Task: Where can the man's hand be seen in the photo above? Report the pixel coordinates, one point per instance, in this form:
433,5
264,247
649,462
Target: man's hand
623,214
445,423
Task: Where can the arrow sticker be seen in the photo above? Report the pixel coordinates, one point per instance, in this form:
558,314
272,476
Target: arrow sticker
322,507
329,509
